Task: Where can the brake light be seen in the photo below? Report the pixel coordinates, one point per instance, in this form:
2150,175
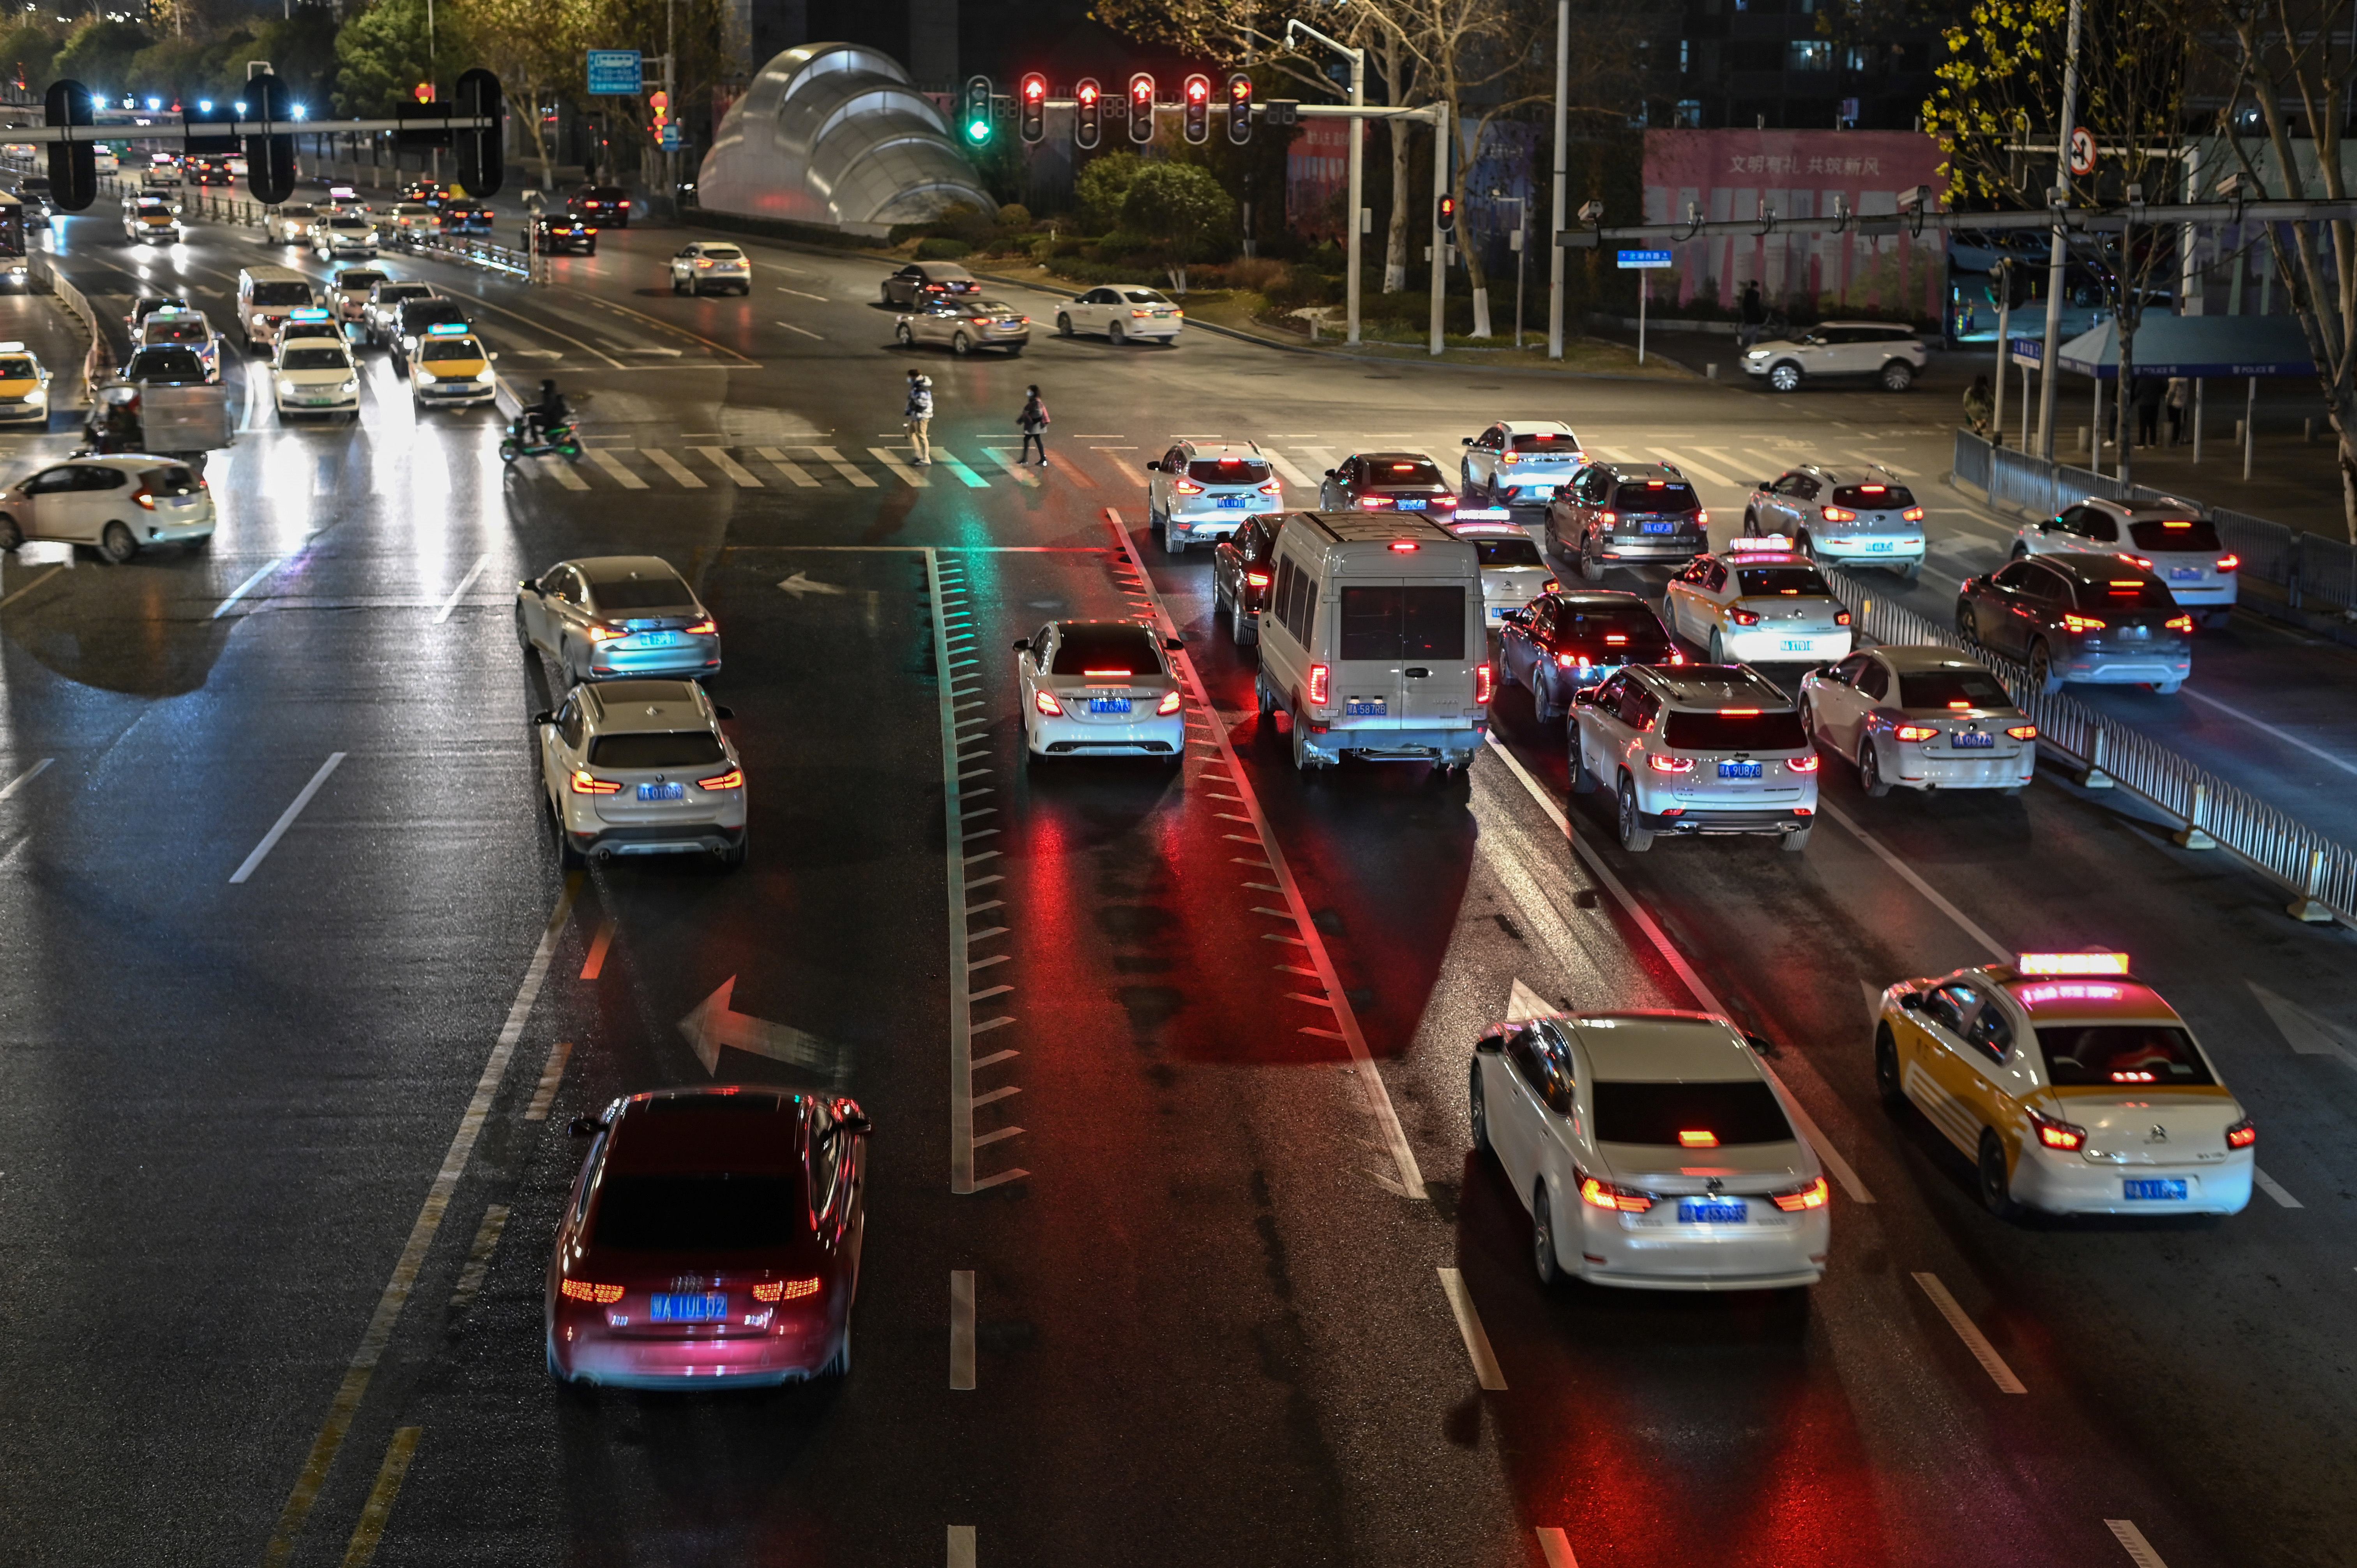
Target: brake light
1373,504
1837,514
1803,764
2228,562
582,1290
1256,579
587,783
1485,682
2023,732
1608,518
1914,732
1687,1140
1676,657
2083,623
2178,623
1816,1195
1660,764
1188,488
1871,489
1604,1195
1273,487
2243,1134
732,779
701,628
979,320
1613,638
1566,661
144,499
1140,315
785,1290
605,633
1841,617
1742,617
1168,704
2140,560
1443,501
1045,701
1321,685
1914,514
2054,1134
1403,546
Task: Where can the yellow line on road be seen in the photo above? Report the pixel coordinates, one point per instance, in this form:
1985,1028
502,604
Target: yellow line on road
370,1529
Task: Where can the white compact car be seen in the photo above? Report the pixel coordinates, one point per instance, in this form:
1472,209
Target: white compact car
118,504
1759,601
1653,1153
2174,540
712,266
290,223
1921,718
314,375
1121,312
343,235
1100,688
1518,462
1199,492
641,768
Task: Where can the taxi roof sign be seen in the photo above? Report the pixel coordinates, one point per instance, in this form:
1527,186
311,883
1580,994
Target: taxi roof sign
1763,542
307,313
12,349
2073,963
449,329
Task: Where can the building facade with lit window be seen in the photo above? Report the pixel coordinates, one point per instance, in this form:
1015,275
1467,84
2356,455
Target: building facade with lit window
1746,64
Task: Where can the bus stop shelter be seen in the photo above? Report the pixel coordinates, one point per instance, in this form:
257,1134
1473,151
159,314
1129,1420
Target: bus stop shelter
2199,349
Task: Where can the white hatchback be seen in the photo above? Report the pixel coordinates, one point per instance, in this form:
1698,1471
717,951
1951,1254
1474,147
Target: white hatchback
1200,492
313,375
118,504
1100,688
1653,1152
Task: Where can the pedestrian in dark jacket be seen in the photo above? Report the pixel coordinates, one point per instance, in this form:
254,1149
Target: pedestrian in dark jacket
2149,391
1033,423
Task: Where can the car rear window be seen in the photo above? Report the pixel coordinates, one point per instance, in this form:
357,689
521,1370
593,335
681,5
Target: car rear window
1228,471
393,294
641,594
696,1213
169,481
1766,582
658,748
277,294
1873,498
1402,623
1661,495
1143,296
1506,551
176,331
360,282
1947,688
2175,533
315,359
1779,730
1634,622
167,362
1547,446
602,193
1400,471
1127,649
1741,1111
731,253
2106,1054
426,312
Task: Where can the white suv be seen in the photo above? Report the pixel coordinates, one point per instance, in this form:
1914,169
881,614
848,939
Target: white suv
641,768
1700,748
1891,354
1518,462
2174,540
290,223
1198,492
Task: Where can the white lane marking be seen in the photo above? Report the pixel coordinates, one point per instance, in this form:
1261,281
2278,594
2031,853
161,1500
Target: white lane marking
1969,1332
379,1333
1323,456
803,330
1522,1004
1826,1153
1071,471
245,588
792,470
1965,923
1291,475
287,818
738,475
27,777
1688,464
2283,736
955,464
1408,1180
900,470
459,592
552,1076
1556,1547
670,465
2274,1189
803,294
962,1330
1015,470
560,470
2131,1539
613,467
1469,1327
961,1546
34,584
2303,1031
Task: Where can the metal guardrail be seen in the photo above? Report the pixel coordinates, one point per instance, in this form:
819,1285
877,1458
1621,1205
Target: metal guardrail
2320,871
99,358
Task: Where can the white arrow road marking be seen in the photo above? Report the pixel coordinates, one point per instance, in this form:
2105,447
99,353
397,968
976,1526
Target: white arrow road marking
801,584
2307,1033
713,1026
1522,1004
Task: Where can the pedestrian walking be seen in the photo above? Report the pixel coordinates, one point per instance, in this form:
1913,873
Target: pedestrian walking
2179,393
1033,423
2149,390
918,417
1980,405
1751,314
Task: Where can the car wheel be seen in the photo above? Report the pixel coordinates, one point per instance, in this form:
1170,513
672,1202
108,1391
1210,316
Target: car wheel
1898,376
2213,620
117,544
1886,1085
1548,712
2042,669
1750,525
1634,838
839,1364
549,1348
1717,649
523,636
734,855
1794,843
1590,569
2166,688
961,344
1996,1184
1263,699
1481,1113
1543,1256
568,857
1869,771
1911,573
1219,603
11,535
1583,782
1115,336
1969,622
884,294
1247,628
902,336
1302,760
1063,325
1785,377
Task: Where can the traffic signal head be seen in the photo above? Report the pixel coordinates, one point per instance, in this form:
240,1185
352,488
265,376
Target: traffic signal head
482,153
1445,216
73,165
1031,103
1088,113
1141,107
976,126
1197,106
1240,107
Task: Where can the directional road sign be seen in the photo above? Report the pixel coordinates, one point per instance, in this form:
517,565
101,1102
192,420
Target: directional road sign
614,73
1633,259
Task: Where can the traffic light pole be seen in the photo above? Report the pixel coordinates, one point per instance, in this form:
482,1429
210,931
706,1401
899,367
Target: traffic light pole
1436,116
1357,59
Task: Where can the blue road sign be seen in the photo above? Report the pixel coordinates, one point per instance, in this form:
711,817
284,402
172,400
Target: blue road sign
1632,258
614,73
670,142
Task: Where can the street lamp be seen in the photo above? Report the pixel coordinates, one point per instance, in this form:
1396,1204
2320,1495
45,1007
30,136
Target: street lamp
1357,59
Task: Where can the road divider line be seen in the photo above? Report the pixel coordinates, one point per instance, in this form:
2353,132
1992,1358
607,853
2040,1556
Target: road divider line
2283,736
833,459
1556,1547
27,777
1469,1327
459,592
595,965
1830,1156
246,587
345,1404
743,477
478,1255
552,1074
2140,1550
370,1532
1407,1180
35,583
613,467
1121,465
803,330
2274,1189
900,470
799,475
1906,873
561,470
962,1330
1966,1330
286,819
688,478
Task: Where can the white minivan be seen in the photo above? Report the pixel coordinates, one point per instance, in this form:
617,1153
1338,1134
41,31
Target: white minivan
1371,639
265,296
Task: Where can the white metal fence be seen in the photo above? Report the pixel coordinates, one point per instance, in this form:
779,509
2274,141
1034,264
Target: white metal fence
2320,871
98,359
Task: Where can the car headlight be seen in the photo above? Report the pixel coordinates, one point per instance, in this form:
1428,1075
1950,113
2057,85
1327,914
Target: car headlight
425,378
347,387
38,395
1757,354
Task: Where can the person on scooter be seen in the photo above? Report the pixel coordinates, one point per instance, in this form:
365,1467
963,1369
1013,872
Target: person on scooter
537,419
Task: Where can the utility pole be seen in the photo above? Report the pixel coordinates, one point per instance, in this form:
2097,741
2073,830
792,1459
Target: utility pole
1562,111
1439,110
670,97
2058,258
1357,59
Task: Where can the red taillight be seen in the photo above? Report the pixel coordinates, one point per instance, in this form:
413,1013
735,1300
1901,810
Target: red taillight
1566,661
142,497
2178,623
1814,1196
1256,579
1837,514
701,628
1443,501
1660,764
785,1290
1045,701
1605,1195
1841,617
1403,547
1608,518
1803,764
2054,1134
732,779
582,1290
1612,638
2242,1133
1697,1140
585,783
2083,623
1676,657
2023,732
1914,514
1168,704
1914,732
1273,487
1321,685
1373,504
1742,617
1485,682
605,633
2228,562
1188,488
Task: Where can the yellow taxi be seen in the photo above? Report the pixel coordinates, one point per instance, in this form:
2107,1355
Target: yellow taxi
448,365
2074,1087
24,386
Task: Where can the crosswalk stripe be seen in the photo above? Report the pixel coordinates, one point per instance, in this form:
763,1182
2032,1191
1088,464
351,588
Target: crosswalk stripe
1322,457
1713,475
973,481
613,465
1119,457
1014,469
1865,460
673,467
900,470
833,459
741,476
1071,471
794,471
560,470
1284,466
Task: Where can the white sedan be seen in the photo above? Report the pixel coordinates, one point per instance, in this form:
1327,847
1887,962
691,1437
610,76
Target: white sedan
1121,312
1922,718
312,374
1758,602
1653,1153
1100,688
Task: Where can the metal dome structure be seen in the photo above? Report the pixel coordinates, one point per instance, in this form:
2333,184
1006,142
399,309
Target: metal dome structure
835,135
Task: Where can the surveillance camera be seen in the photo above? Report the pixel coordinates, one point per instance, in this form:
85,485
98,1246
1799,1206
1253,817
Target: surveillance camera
1591,211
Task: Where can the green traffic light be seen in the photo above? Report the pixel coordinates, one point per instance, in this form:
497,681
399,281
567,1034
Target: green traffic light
978,130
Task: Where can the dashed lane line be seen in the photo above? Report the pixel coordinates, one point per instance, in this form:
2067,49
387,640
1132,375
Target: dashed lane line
738,474
613,467
286,819
1996,950
1969,1332
971,479
962,1330
687,477
1556,1547
459,592
901,471
552,1078
247,587
1469,1327
35,583
800,477
27,777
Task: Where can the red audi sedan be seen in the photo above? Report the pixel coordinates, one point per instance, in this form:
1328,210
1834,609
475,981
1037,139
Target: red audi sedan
713,1238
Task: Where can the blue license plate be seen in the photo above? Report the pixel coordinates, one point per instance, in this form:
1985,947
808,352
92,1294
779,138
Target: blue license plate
1234,503
1739,770
1108,704
699,1308
658,638
1709,1211
1365,707
1970,739
1661,528
1879,545
1798,645
2165,1191
2184,574
662,791
1412,506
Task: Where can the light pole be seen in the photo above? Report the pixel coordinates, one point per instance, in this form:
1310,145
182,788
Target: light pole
1562,111
1357,59
1522,249
2059,256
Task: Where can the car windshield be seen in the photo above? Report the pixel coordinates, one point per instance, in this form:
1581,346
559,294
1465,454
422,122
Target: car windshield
1546,445
642,594
165,364
358,283
294,210
1953,687
1769,582
1228,471
658,748
1735,731
1402,623
1681,1115
1506,551
345,220
1096,649
1656,495
176,331
2156,534
439,348
2082,1054
315,358
16,368
1400,471
696,1213
1873,498
277,294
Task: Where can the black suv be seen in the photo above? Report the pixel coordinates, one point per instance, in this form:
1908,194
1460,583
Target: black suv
601,206
1628,514
412,316
2081,616
559,236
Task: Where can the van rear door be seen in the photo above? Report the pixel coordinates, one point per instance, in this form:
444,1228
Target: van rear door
1401,644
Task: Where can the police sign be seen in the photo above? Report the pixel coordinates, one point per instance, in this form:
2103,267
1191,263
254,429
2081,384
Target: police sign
614,73
1634,259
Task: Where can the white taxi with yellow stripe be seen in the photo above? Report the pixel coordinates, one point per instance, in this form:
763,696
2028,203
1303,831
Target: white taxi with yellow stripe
24,386
448,365
2071,1084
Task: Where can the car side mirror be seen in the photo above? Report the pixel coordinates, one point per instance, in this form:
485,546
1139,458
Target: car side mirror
859,1126
1172,645
585,1127
1492,1042
1585,697
1022,645
1760,1043
1154,466
493,356
1910,1001
1763,484
719,712
1329,473
1464,441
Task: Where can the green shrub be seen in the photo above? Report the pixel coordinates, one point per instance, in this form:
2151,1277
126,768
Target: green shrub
940,248
1103,185
1015,219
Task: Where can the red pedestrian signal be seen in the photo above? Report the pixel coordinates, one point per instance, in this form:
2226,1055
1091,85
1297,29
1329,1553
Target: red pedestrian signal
1031,106
1088,113
1239,108
1444,216
1198,109
1141,108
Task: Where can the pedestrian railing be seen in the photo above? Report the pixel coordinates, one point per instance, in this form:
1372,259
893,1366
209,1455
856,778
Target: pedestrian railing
99,359
481,253
2320,871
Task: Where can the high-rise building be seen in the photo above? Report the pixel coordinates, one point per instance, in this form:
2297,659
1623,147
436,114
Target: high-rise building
1746,63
